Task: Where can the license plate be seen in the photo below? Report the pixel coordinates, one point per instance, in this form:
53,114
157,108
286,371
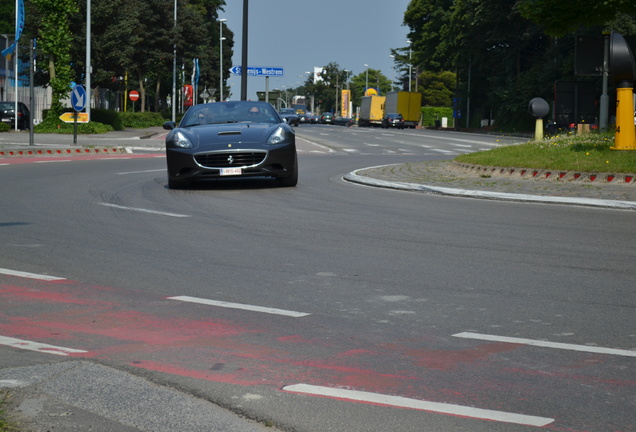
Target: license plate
231,171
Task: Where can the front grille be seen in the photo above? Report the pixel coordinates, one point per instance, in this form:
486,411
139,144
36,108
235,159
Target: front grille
230,160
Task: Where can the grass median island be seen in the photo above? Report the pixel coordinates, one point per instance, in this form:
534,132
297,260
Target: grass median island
586,153
5,424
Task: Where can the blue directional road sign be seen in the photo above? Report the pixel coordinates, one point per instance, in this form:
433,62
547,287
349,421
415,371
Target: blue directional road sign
78,98
258,71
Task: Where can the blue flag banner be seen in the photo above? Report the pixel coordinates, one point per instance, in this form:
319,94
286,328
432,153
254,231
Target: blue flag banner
195,71
18,30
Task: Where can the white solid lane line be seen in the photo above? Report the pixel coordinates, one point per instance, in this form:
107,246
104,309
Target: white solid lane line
545,344
142,210
39,347
142,172
29,275
229,305
403,402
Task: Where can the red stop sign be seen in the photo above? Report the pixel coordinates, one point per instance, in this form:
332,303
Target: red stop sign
133,95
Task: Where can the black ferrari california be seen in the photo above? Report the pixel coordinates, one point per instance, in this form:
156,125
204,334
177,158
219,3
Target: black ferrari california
230,139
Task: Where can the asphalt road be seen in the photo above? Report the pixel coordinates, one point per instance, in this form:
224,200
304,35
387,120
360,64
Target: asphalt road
330,306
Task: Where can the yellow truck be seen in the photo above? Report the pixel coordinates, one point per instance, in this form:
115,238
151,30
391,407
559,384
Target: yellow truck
409,104
371,110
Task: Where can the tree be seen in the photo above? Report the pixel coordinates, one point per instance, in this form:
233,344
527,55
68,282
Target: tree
561,18
138,44
427,20
437,88
504,53
376,79
7,18
335,79
54,41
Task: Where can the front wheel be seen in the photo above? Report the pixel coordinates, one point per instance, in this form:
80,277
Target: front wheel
292,179
179,184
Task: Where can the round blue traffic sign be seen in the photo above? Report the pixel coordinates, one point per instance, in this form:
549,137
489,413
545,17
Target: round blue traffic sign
78,98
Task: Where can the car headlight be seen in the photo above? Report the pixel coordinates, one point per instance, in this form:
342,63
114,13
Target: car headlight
278,136
180,140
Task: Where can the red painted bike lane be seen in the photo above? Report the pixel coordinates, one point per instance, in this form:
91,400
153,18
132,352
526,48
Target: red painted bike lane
247,348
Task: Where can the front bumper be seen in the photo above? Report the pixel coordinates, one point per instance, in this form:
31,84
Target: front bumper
186,164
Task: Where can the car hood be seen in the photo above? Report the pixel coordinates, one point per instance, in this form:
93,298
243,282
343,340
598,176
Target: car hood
210,137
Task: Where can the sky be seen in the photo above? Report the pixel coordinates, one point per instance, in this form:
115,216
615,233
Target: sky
297,35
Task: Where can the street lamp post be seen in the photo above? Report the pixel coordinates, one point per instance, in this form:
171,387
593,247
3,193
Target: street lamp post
221,39
366,86
336,110
244,53
410,52
174,70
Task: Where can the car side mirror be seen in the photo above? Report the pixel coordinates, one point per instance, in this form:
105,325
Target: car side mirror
169,125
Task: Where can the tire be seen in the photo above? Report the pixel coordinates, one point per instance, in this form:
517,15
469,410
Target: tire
292,179
179,184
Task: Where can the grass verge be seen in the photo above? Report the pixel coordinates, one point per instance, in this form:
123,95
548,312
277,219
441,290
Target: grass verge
5,424
585,153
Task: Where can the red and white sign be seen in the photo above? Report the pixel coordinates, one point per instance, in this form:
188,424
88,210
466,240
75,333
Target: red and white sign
133,95
188,91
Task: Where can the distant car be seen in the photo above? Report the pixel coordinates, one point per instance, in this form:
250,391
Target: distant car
326,118
304,118
230,140
343,121
290,116
7,113
393,120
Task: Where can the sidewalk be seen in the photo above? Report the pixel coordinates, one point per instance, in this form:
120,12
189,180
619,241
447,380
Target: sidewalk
17,144
84,396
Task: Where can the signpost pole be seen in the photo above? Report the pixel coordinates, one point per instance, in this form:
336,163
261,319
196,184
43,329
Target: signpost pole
266,89
75,129
244,53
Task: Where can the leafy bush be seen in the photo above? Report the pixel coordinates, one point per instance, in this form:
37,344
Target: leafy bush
109,117
4,127
141,120
102,121
58,126
430,114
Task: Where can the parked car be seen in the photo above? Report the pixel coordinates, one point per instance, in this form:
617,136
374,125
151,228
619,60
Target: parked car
290,116
230,140
7,112
326,118
393,120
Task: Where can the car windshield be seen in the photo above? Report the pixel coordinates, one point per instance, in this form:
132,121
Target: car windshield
7,106
287,111
229,112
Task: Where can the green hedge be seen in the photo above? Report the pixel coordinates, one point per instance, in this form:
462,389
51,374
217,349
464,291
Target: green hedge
108,117
141,120
58,126
430,114
4,127
102,121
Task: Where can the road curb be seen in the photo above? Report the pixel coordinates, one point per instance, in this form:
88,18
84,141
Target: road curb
501,196
544,174
75,151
